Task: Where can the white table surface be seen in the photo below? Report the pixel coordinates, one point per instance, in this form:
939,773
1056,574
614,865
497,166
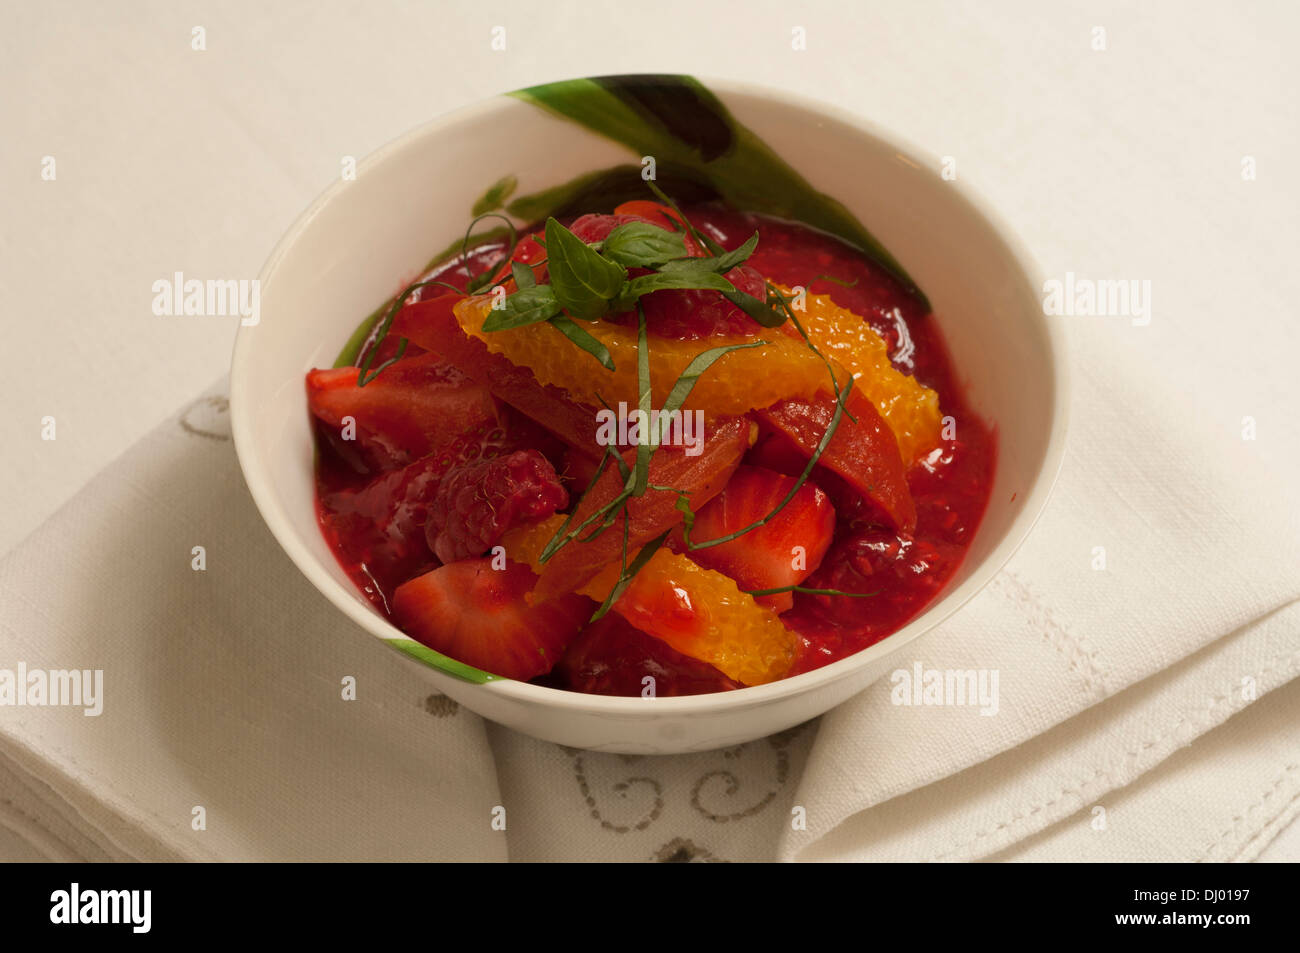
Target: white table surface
172,159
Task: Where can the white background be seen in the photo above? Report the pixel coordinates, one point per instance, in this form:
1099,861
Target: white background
1122,163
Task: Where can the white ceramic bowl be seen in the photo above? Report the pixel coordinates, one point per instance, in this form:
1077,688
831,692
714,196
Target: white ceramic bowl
363,239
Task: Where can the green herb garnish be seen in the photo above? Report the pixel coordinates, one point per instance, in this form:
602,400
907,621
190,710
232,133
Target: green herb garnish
587,282
629,570
478,282
676,273
839,281
523,275
705,241
584,280
715,263
526,306
812,592
362,379
642,245
575,333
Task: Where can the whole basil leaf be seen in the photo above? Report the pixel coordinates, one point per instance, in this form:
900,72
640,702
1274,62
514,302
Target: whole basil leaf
583,280
524,307
698,365
642,245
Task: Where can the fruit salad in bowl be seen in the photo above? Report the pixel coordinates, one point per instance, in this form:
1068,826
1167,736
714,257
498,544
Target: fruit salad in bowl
709,403
651,451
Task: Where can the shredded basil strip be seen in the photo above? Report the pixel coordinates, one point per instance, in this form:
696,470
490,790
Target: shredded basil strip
582,338
708,243
362,379
479,281
645,403
812,592
629,571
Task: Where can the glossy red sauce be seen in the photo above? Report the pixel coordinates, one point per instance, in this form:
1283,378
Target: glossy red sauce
950,487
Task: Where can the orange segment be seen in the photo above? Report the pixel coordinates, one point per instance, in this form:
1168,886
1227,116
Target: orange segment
782,368
910,409
737,382
699,612
703,614
524,544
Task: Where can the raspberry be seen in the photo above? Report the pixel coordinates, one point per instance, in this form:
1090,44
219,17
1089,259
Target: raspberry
692,314
595,227
897,569
478,502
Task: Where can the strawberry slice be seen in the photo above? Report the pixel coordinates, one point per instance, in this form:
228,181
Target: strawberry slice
872,483
781,552
414,408
433,325
614,657
702,476
479,615
774,451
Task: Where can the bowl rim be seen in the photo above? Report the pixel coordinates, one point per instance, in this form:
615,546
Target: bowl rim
1036,498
